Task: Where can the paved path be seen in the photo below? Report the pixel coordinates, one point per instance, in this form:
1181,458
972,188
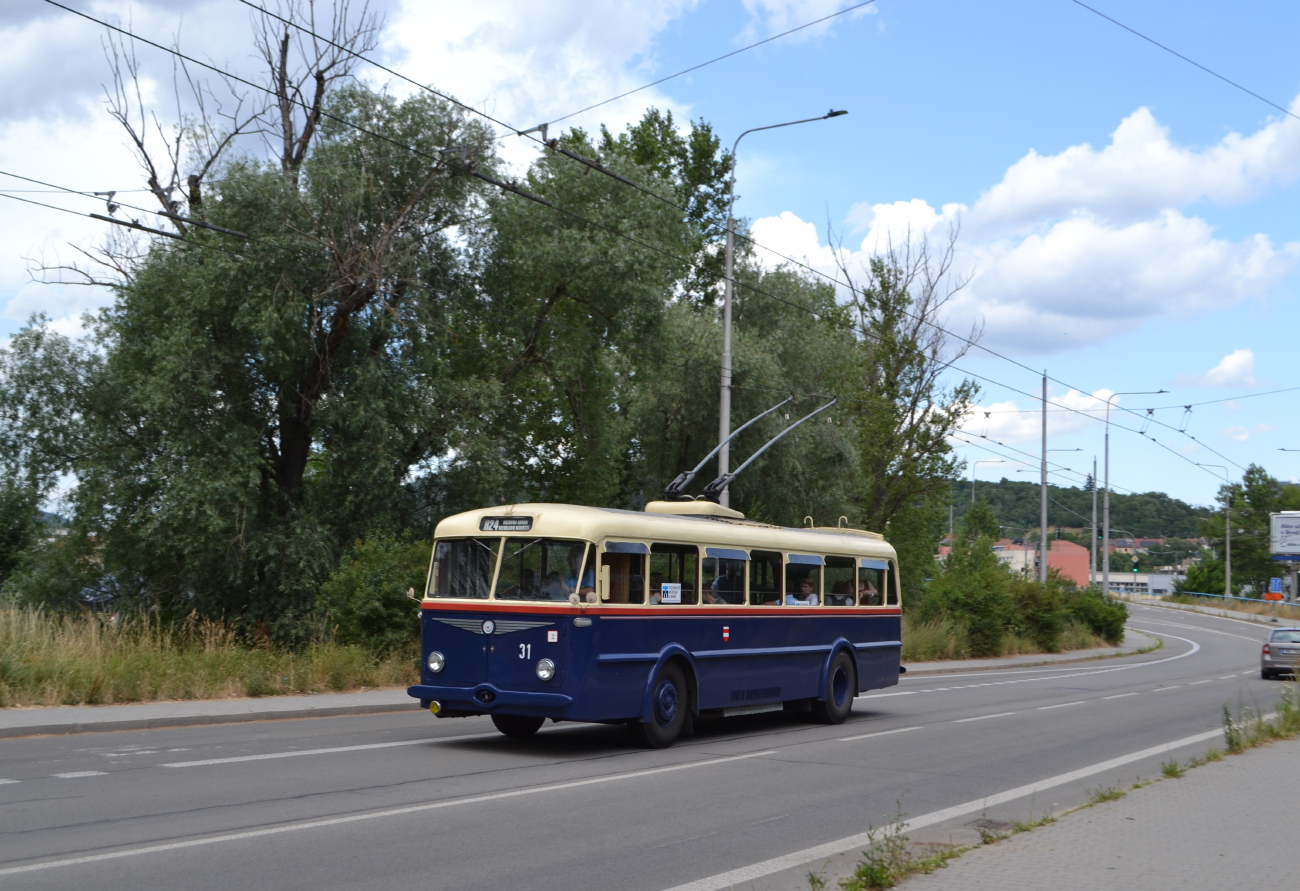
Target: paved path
1223,825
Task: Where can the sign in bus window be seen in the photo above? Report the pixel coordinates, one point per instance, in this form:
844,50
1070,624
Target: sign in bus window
543,569
463,568
723,580
765,578
673,570
626,577
840,581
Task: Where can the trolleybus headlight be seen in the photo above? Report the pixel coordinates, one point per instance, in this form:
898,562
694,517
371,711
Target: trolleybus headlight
546,669
436,662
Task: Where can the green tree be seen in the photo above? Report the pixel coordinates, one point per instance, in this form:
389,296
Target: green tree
1251,502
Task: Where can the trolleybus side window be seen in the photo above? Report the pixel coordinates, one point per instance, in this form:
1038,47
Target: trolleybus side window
873,579
840,581
803,580
463,568
891,585
724,576
673,571
542,569
622,568
765,578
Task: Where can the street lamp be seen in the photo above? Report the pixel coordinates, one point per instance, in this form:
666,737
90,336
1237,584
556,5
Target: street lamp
972,473
1227,531
724,412
1105,555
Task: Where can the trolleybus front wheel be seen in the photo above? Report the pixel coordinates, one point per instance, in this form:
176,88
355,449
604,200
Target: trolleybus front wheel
668,706
517,726
840,684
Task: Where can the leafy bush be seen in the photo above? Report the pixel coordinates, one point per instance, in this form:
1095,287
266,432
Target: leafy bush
366,596
1104,617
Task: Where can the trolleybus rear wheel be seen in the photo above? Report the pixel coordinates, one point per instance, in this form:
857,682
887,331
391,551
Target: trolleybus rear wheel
518,726
668,706
840,684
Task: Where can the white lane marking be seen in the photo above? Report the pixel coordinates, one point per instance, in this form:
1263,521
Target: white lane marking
880,733
983,717
374,815
78,774
1206,630
1162,689
1043,708
1121,695
1206,681
301,752
745,874
4,782
1227,677
1252,671
883,695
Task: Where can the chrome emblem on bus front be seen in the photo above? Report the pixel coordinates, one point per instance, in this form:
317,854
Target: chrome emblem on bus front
488,626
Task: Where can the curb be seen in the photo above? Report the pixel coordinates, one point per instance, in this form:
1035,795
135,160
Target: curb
1215,612
69,728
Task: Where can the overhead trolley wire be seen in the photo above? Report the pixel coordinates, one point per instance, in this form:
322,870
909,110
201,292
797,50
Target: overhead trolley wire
582,219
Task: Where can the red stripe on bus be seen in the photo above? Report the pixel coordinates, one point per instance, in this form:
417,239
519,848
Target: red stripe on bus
568,609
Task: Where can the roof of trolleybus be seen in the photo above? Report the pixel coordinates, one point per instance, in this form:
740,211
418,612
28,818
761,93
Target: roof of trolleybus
703,524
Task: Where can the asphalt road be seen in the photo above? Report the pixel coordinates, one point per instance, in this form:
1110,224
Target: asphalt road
408,801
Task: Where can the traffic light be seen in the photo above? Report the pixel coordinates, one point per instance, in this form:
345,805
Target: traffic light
1135,562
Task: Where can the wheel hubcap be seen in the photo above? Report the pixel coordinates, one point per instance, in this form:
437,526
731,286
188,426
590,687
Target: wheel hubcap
666,702
840,686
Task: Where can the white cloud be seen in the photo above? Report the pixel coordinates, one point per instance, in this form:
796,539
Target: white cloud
1071,412
1237,369
775,16
1068,250
1243,434
1140,172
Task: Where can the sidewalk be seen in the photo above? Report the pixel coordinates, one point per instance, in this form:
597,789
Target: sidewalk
142,716
1224,824
1133,641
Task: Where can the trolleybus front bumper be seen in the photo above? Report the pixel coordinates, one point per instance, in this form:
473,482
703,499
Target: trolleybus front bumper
489,697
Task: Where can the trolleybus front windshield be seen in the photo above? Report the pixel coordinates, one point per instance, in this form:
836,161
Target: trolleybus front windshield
544,569
463,567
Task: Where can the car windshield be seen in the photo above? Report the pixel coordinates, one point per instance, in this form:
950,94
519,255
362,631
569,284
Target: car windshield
1285,637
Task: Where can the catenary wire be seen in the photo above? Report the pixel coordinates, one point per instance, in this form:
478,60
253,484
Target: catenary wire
578,217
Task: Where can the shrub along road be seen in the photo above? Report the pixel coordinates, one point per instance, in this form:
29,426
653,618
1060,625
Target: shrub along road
404,800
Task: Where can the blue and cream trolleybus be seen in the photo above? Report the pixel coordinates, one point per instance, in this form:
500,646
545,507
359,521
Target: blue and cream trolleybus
653,618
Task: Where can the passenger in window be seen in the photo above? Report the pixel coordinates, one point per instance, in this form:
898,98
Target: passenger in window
728,587
656,586
525,590
588,585
805,596
867,593
840,595
555,589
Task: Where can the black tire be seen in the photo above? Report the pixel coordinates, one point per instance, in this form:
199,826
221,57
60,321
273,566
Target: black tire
1265,674
841,687
518,726
669,703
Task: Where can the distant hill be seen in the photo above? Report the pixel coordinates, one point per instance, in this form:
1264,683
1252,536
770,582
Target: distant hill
1146,515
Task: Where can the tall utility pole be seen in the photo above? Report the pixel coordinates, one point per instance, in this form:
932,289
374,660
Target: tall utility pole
1042,532
724,405
1092,565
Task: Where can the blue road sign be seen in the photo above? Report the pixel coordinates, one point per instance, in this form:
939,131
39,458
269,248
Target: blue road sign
1275,586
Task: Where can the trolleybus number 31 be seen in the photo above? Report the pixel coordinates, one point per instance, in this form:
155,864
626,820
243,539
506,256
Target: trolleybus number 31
525,651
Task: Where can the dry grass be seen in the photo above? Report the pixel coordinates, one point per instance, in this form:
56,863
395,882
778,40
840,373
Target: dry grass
1288,611
74,660
943,638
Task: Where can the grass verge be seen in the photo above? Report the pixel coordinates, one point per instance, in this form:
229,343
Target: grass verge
945,638
80,660
1288,611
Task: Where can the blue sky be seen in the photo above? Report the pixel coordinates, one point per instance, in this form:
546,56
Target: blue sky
1126,218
